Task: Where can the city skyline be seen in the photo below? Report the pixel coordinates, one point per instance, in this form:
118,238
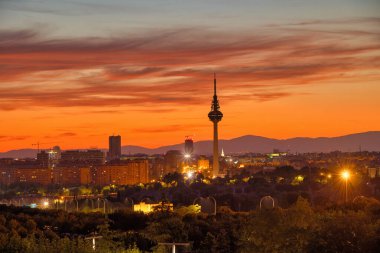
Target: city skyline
189,126
76,72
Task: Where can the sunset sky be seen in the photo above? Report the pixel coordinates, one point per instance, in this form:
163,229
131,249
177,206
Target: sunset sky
74,72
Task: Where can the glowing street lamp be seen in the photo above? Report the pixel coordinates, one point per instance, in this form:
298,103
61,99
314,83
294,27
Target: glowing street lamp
45,204
345,176
190,174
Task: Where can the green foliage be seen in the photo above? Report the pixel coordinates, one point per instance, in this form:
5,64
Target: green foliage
171,229
127,220
299,228
346,232
83,190
172,178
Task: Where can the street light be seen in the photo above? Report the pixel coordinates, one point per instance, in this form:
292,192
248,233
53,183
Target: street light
45,204
345,176
92,238
190,174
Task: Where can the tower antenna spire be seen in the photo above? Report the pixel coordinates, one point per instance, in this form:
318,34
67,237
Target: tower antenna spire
214,84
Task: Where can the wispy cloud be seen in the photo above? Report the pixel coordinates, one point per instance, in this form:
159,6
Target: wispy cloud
13,138
172,67
341,21
67,8
65,134
168,128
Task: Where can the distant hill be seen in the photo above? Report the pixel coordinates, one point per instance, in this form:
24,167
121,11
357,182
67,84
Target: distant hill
19,153
368,141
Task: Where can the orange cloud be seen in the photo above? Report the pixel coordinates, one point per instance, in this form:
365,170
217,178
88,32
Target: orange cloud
13,138
169,73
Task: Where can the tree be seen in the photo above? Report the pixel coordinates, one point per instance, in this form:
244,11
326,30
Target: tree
173,177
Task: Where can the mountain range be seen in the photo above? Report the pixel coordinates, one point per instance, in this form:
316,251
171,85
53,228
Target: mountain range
367,141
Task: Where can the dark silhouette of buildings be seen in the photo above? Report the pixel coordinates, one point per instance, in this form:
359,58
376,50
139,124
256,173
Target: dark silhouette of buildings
114,150
215,115
43,158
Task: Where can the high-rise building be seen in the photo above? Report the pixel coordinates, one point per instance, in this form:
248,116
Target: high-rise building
189,146
114,151
215,115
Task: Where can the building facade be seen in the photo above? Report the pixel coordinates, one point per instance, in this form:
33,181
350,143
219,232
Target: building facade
114,149
26,174
89,157
72,176
173,161
126,173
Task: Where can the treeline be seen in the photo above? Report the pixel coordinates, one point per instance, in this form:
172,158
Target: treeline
299,228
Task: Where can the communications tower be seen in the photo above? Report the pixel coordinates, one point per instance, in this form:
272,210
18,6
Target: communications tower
215,115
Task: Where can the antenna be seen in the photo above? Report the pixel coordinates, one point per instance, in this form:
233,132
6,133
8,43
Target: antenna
214,84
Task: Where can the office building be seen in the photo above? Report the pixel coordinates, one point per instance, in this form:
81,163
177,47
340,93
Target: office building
114,150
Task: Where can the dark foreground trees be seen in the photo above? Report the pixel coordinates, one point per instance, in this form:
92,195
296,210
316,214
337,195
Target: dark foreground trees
299,228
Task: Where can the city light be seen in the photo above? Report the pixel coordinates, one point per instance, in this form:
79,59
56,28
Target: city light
345,174
45,204
187,156
190,174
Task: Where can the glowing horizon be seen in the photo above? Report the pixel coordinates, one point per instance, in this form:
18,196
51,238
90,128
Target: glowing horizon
75,73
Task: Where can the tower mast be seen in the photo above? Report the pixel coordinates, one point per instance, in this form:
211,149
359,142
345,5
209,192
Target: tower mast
215,115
